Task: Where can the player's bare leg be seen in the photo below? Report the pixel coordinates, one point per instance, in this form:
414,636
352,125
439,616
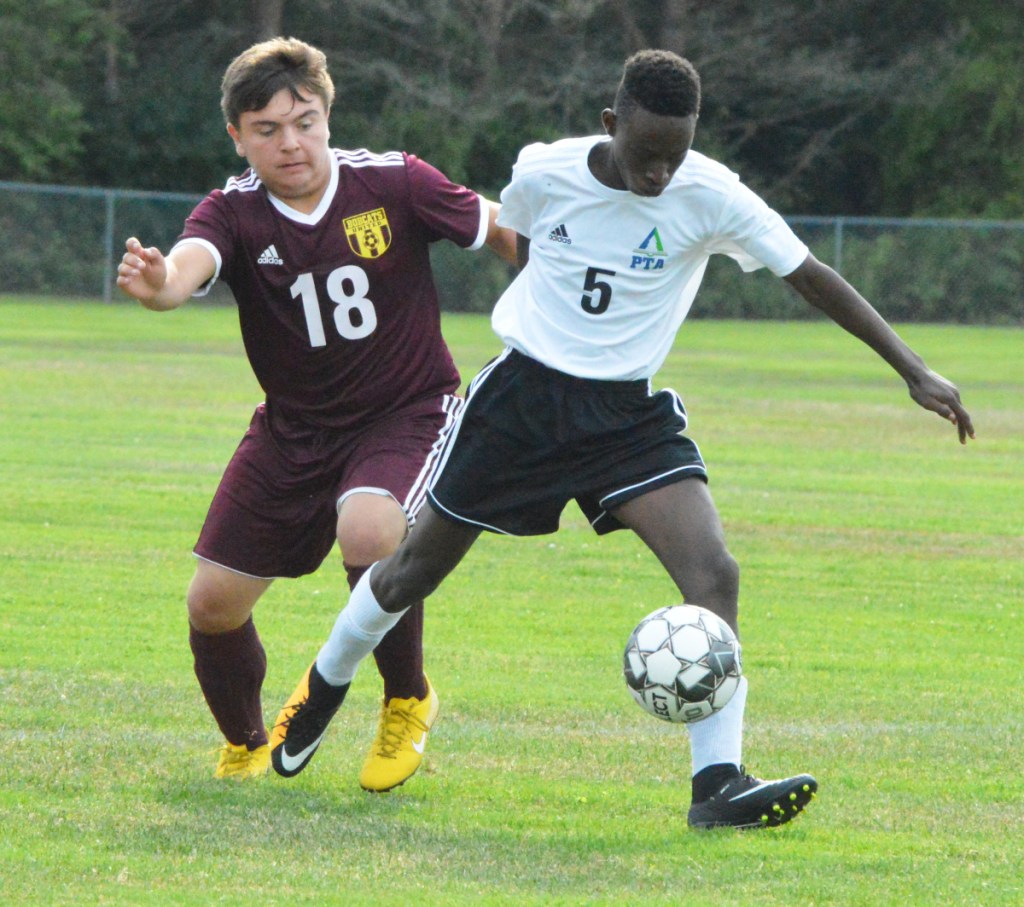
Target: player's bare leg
432,550
370,527
405,722
435,547
230,664
680,524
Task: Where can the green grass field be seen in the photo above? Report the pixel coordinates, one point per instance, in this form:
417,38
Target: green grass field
882,617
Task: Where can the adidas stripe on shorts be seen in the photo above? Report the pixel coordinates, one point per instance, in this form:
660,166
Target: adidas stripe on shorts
530,439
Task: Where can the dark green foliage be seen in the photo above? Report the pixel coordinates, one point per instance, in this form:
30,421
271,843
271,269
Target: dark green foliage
58,230
957,275
963,149
851,107
42,114
929,273
857,107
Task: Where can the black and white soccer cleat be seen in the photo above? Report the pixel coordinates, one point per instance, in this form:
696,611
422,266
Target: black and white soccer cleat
748,802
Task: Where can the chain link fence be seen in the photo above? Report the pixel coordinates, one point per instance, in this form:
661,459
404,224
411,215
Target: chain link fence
67,241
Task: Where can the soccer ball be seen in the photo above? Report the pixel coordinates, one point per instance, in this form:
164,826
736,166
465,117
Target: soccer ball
682,663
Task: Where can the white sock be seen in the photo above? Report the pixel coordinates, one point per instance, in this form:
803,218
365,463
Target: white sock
720,738
362,624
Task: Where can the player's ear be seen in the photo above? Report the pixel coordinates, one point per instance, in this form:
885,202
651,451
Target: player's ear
608,120
237,139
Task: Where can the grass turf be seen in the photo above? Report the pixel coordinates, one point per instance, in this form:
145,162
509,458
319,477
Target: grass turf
881,615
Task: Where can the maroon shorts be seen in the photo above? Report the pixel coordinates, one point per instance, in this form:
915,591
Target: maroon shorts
275,511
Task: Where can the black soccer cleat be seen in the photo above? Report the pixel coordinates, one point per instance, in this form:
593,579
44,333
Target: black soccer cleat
748,802
303,721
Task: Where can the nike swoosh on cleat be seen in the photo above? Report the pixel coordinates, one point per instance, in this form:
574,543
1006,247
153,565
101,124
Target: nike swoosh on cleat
422,745
752,790
291,763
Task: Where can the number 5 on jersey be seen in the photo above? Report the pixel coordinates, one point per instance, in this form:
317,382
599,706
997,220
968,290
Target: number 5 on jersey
354,314
597,294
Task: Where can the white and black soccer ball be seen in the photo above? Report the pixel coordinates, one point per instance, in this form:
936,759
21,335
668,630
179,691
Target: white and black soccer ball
682,663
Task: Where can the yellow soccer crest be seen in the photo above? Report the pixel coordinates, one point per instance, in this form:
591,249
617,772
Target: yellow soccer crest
369,233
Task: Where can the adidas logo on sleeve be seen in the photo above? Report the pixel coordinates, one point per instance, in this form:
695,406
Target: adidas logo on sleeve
269,256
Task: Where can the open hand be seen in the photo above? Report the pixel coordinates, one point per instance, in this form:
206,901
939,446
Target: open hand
142,272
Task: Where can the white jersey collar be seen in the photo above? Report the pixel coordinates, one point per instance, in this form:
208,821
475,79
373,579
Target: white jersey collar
317,214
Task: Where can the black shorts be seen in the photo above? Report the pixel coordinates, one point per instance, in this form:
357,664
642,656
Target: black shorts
530,439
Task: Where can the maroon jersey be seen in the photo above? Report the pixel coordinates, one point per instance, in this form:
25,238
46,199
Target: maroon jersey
338,308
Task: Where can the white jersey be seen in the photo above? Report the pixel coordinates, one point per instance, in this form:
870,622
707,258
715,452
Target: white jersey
612,275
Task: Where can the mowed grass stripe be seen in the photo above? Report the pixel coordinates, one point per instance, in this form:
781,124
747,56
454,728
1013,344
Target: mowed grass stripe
882,589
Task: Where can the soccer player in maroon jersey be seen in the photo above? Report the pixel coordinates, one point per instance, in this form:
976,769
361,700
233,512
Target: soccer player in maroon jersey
327,255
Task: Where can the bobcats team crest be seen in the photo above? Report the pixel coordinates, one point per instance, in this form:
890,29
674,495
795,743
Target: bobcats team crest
369,233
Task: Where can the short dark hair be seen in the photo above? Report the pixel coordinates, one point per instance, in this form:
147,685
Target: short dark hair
660,82
260,72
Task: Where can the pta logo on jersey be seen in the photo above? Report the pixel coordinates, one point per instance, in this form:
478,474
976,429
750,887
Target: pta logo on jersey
650,254
369,233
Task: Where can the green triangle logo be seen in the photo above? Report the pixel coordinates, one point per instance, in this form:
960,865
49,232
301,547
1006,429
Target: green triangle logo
654,237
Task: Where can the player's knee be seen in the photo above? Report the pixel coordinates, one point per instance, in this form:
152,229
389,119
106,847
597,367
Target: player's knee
216,606
715,584
367,534
720,587
209,613
367,543
726,574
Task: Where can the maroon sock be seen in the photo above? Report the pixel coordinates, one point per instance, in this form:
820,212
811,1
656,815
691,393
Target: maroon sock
399,655
230,668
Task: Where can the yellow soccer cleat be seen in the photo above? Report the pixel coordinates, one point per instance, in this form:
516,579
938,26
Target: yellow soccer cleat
401,739
242,764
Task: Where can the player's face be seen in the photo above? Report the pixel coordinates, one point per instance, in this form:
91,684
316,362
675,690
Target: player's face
647,149
286,144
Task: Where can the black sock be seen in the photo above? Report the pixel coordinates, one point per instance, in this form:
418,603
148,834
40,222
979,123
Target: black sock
709,780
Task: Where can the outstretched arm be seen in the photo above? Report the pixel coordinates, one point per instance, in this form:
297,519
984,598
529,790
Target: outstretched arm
824,289
161,283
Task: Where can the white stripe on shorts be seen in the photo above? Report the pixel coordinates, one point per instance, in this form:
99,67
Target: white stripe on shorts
453,433
452,407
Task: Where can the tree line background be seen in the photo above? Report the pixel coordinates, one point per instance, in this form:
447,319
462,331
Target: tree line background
854,107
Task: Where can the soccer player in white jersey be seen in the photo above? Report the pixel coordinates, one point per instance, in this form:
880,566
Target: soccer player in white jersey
614,234
327,255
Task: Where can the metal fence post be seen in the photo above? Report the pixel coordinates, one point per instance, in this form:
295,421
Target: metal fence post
108,247
837,255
